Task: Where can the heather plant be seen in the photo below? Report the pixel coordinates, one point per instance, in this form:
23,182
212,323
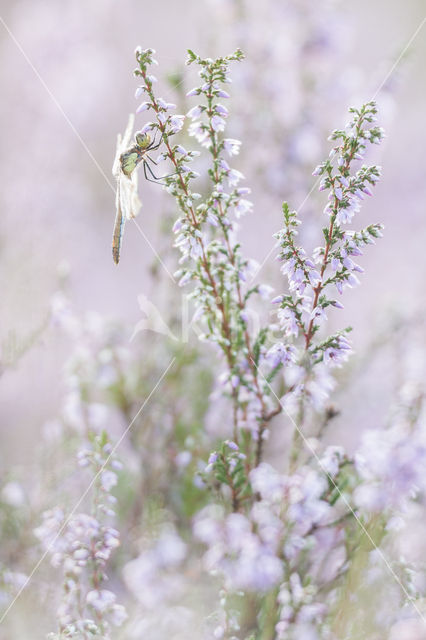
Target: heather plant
82,544
267,534
237,518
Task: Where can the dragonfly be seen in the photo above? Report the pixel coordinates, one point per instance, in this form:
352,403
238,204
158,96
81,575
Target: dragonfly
126,160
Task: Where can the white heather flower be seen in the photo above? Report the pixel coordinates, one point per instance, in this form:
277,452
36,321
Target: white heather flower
13,494
183,459
234,176
331,459
101,600
194,113
232,146
199,132
118,615
242,207
265,290
167,106
268,482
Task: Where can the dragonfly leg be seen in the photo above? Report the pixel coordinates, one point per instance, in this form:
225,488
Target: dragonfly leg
153,146
154,178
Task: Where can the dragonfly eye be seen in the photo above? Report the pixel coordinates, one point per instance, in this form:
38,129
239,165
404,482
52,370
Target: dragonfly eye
143,140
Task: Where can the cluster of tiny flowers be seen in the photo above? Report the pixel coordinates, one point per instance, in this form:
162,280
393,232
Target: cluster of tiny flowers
290,530
205,234
311,279
391,461
156,577
281,144
82,545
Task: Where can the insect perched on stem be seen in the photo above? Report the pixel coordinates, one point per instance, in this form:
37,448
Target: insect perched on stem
130,159
126,160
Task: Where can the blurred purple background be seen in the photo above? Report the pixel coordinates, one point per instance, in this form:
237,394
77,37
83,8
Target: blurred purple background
66,72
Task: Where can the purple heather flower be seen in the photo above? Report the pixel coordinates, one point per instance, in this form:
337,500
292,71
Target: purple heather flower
177,225
221,110
318,313
218,123
193,92
108,480
288,322
281,354
335,264
314,277
176,123
147,127
138,92
222,94
351,280
212,219
143,107
235,381
213,457
244,316
335,356
243,191
338,193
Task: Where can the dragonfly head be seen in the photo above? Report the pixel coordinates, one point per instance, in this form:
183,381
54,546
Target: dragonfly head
143,140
